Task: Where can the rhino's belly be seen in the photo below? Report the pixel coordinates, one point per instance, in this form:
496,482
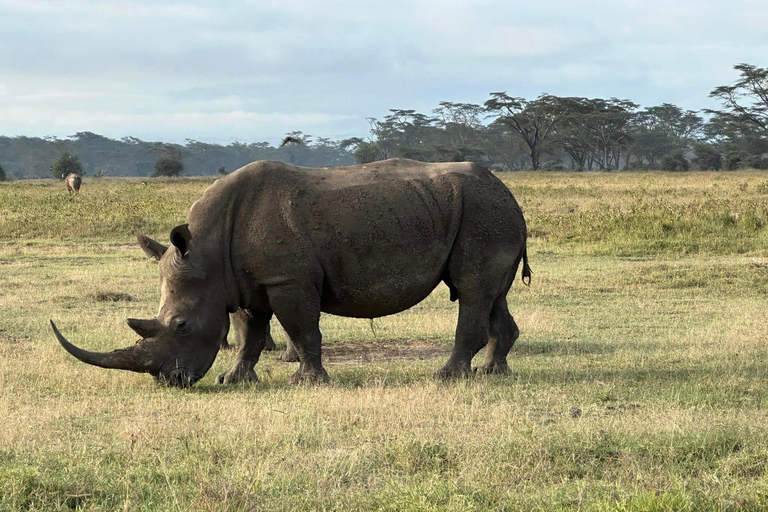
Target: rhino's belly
376,298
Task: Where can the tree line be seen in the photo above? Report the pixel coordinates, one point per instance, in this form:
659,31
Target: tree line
504,133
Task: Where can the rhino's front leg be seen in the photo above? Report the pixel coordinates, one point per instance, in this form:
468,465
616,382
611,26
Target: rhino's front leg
298,309
251,331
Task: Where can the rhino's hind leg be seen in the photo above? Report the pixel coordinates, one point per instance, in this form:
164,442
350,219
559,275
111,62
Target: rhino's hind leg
503,334
471,336
298,310
252,331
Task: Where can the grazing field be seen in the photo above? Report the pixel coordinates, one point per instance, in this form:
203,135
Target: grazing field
640,377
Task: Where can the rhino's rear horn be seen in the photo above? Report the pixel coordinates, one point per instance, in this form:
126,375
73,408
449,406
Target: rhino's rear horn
136,358
144,328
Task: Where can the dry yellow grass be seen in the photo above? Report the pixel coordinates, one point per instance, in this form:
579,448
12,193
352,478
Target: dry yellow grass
662,352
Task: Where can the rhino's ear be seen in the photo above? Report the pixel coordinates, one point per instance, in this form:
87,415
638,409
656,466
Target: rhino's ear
180,238
150,247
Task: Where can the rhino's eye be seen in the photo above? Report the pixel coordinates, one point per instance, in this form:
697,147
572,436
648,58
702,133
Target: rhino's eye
181,325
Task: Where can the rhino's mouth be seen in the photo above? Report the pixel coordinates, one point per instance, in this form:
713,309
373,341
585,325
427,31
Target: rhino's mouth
177,379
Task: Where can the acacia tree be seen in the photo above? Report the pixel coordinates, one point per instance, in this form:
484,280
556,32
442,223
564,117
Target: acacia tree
596,131
66,163
169,162
664,130
534,121
460,135
364,151
741,130
747,99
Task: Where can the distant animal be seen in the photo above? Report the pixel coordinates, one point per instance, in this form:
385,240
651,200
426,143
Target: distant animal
360,241
144,183
288,140
73,182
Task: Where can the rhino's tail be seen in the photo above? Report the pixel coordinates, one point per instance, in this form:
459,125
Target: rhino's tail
526,275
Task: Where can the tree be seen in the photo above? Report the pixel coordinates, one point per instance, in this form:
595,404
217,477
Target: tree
708,158
2,174
167,166
169,162
222,170
594,131
366,152
534,121
461,136
66,163
747,99
675,162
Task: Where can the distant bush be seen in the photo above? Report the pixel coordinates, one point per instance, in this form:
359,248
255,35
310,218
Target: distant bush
552,165
223,171
707,158
754,162
637,165
366,152
67,163
2,174
166,166
675,162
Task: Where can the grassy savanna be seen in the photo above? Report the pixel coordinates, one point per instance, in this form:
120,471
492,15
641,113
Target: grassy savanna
639,377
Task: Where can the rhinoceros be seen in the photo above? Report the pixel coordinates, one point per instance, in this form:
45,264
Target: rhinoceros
360,241
73,182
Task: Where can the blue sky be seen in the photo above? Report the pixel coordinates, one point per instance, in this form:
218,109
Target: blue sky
254,70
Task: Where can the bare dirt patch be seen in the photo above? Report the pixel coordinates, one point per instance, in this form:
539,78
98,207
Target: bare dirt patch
112,297
6,339
381,352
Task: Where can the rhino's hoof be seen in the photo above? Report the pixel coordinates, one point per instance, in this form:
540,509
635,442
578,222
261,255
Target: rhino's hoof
495,368
310,377
237,377
453,372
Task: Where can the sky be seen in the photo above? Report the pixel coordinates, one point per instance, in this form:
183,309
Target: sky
252,71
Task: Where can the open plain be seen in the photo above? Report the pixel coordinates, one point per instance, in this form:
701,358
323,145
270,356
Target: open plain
640,379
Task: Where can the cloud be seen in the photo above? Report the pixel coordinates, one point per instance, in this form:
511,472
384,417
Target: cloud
138,67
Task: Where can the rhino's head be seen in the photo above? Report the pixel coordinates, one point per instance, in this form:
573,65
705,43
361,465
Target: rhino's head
180,344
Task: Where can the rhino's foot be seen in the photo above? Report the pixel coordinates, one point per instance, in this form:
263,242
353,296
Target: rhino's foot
289,355
454,371
236,376
494,368
314,376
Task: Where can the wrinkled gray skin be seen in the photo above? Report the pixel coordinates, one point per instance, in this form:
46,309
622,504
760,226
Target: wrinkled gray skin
73,182
361,241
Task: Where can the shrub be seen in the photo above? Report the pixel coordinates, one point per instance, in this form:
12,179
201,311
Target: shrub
166,166
707,158
731,160
754,162
67,163
366,152
675,162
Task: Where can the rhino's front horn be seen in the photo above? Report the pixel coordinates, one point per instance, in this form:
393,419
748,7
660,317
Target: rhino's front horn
136,358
